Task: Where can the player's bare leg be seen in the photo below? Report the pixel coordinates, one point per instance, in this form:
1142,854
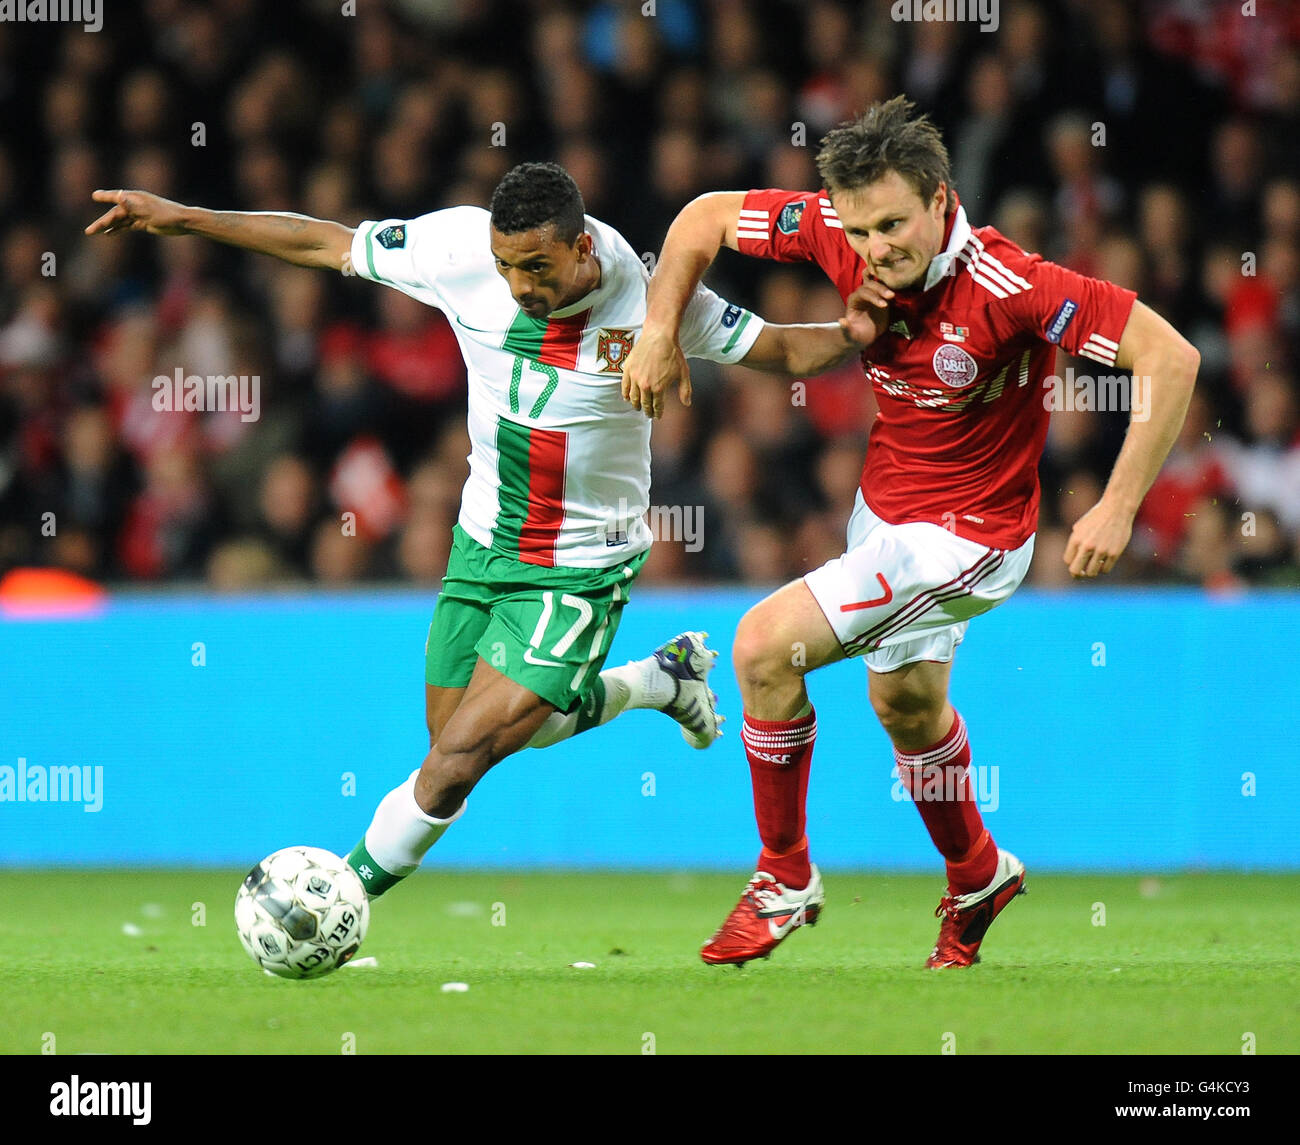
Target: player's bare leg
439,704
933,757
472,728
912,703
493,717
778,642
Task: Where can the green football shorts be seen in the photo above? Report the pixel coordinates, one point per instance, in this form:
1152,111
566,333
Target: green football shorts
548,629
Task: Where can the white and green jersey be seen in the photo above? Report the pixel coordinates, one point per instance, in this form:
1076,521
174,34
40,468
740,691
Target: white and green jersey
559,472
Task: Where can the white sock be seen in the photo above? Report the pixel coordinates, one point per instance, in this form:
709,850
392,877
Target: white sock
637,684
649,686
401,834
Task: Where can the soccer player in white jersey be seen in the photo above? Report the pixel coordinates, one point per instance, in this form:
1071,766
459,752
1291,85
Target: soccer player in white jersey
546,303
943,529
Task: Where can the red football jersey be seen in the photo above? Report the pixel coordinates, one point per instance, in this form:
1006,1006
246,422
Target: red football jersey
959,375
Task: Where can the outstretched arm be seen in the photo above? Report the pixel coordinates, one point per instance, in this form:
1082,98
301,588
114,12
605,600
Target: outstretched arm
656,362
294,238
1163,367
808,349
703,227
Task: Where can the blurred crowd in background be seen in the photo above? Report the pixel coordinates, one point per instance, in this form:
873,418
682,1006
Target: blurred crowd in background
1191,197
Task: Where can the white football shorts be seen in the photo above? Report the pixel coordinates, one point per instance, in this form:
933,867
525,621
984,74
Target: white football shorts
903,593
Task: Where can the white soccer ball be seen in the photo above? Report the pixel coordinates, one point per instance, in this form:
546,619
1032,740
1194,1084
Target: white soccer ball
302,912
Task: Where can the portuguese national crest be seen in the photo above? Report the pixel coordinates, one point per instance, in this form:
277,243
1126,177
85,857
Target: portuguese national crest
612,348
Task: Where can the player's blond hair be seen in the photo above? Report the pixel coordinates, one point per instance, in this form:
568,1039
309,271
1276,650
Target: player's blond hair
886,137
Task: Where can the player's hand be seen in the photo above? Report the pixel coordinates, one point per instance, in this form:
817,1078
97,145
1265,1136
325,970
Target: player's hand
1097,540
655,364
137,211
866,314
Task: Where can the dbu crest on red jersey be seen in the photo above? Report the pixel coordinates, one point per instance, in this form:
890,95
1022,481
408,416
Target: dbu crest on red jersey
954,366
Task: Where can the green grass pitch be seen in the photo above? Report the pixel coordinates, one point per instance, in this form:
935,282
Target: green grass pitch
112,962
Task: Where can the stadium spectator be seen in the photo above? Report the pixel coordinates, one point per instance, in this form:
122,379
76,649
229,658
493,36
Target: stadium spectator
1265,469
1196,472
1207,556
96,485
1164,231
288,509
1086,199
982,165
1263,556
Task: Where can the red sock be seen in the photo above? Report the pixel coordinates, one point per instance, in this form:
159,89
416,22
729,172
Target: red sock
939,783
780,756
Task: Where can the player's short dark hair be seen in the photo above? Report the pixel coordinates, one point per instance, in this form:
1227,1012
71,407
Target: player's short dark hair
532,195
886,137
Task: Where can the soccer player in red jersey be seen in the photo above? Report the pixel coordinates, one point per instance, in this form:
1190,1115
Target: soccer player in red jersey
966,330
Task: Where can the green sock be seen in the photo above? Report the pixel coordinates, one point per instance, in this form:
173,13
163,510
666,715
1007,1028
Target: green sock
598,706
592,707
374,878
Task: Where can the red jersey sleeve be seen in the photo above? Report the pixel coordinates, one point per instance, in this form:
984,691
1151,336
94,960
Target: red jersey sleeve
1084,316
798,226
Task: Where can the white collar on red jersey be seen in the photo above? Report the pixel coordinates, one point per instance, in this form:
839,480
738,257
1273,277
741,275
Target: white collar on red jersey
942,264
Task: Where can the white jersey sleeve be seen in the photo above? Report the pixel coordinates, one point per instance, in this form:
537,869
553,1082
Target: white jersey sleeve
715,329
412,255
